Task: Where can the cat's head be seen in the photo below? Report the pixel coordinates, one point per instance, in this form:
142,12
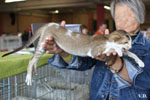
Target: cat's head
122,38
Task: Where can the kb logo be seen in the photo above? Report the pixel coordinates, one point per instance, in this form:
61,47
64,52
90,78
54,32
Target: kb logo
142,95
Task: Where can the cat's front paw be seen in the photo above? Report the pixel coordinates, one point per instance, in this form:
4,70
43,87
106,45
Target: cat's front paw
120,53
140,63
29,79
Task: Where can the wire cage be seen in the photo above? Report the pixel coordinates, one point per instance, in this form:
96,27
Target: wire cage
50,84
10,42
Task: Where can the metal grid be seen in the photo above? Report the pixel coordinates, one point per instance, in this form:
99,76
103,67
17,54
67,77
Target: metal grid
50,84
10,42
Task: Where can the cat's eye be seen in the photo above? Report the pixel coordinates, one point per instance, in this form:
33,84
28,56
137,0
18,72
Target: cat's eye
123,42
128,37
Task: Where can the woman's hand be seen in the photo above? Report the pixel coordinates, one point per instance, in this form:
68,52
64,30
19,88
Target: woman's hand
105,57
51,47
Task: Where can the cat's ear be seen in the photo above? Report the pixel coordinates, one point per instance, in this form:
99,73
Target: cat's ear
115,37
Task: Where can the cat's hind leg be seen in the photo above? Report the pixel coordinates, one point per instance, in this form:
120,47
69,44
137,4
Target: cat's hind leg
29,71
33,65
137,60
38,53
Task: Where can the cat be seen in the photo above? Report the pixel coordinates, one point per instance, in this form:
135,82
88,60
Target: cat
78,44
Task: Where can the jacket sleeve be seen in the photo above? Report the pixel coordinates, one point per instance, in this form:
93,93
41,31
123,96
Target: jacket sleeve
77,63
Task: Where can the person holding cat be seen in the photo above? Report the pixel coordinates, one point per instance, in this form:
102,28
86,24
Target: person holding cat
125,80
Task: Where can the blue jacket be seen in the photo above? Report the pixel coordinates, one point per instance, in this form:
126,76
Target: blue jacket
104,82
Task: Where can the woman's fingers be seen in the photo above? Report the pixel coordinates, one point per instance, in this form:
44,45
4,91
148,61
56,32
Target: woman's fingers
50,38
114,53
100,56
50,46
108,54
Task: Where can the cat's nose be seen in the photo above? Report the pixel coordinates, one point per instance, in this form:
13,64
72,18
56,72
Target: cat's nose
129,47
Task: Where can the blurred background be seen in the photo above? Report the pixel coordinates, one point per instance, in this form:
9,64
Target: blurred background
16,17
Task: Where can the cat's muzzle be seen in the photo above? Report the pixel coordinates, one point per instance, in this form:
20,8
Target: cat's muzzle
127,47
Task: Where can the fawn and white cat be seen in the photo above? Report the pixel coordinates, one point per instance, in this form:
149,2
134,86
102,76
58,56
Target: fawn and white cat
78,44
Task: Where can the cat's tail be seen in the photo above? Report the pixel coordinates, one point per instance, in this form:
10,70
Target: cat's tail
29,42
18,49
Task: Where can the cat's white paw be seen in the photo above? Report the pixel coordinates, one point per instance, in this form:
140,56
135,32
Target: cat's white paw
28,79
119,52
140,63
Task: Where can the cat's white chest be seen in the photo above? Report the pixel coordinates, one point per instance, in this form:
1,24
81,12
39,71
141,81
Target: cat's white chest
112,46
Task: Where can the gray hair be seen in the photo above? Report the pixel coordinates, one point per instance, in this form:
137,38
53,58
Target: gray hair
137,6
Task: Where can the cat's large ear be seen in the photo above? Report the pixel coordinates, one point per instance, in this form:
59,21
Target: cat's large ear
115,37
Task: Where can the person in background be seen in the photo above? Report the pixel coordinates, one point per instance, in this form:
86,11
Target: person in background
130,82
26,36
101,29
85,30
